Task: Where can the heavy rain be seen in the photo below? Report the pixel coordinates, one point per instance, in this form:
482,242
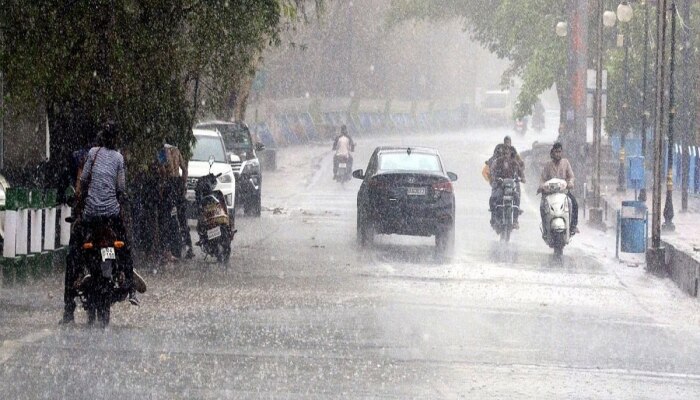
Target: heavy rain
480,199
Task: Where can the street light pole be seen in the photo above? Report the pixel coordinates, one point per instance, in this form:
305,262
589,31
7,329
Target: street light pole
668,207
645,112
595,215
655,255
621,179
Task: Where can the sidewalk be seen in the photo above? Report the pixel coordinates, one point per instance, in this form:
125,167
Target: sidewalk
682,245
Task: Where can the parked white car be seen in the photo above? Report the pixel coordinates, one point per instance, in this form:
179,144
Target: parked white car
210,144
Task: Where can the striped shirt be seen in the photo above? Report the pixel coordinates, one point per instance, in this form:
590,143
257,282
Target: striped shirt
107,180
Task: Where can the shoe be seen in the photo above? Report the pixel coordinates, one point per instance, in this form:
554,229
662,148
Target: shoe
134,300
190,254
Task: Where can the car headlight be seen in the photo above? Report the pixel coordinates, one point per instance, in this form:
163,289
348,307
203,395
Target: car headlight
251,167
226,178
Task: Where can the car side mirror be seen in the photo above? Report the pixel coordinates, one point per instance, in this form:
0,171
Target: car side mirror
233,159
358,174
452,176
259,146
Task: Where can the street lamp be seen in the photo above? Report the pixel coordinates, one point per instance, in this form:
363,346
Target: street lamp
624,14
561,29
606,18
668,206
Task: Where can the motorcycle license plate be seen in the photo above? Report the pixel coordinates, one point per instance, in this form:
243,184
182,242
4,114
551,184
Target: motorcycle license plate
214,233
416,191
108,254
342,165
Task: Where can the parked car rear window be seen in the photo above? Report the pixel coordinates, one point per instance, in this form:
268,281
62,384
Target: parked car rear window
206,146
413,162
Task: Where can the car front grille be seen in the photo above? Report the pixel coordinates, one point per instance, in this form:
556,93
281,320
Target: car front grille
236,167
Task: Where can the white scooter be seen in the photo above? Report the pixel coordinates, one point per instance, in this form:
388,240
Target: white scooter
556,230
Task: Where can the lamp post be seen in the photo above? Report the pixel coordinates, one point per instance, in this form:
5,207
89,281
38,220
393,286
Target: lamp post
645,111
655,257
606,18
624,14
668,207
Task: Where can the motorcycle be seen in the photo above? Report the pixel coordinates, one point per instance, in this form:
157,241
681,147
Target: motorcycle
506,209
214,227
102,281
557,215
343,173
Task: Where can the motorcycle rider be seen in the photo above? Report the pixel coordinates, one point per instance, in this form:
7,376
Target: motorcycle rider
174,189
343,146
505,166
103,187
559,168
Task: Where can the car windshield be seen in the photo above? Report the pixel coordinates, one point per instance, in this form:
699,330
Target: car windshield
206,146
409,162
235,137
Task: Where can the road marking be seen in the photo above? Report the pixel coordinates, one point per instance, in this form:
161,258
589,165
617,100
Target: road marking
10,347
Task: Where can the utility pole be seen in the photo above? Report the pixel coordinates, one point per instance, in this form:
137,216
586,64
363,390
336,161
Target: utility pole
645,109
686,113
668,207
596,212
655,255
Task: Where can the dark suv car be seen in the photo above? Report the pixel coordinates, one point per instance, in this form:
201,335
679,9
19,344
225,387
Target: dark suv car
238,140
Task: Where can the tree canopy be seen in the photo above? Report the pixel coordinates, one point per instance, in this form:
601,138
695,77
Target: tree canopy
152,65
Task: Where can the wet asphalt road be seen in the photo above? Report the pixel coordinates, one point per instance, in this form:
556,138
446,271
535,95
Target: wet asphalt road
302,312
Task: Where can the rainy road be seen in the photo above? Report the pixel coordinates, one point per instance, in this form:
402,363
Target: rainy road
302,312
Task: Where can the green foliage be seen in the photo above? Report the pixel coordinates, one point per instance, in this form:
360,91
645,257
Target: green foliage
135,61
517,30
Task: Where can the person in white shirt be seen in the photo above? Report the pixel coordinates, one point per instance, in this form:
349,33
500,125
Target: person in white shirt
343,146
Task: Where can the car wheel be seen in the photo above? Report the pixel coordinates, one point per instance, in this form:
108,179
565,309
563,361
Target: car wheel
445,242
365,231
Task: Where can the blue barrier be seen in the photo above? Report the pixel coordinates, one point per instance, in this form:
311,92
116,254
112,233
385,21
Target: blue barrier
635,176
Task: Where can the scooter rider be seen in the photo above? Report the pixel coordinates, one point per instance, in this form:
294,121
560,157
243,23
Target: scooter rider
505,166
559,168
343,146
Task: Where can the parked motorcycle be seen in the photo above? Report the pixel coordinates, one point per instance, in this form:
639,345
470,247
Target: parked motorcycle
214,227
506,209
343,173
102,282
557,215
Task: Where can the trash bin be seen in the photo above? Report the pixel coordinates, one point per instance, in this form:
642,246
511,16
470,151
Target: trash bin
633,227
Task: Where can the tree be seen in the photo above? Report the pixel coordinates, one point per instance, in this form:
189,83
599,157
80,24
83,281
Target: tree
152,65
517,30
